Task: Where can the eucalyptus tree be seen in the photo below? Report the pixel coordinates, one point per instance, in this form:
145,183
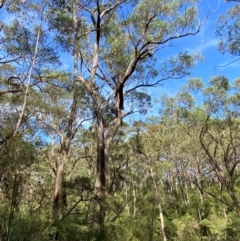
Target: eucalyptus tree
228,31
26,79
161,172
29,55
25,54
66,104
206,151
151,146
117,46
220,140
114,46
212,123
43,95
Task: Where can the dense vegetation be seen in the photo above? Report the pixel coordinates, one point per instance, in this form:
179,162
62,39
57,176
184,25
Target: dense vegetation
72,165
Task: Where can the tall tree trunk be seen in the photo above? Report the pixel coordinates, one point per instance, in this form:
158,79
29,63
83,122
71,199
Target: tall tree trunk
103,147
31,67
66,139
159,203
58,192
99,191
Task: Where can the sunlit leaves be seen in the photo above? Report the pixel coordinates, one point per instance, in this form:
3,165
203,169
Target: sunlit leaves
18,39
138,101
155,21
228,30
180,65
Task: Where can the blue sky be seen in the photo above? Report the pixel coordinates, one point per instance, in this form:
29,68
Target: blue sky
206,43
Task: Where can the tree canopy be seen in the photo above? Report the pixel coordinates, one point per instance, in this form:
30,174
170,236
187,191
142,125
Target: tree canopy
73,166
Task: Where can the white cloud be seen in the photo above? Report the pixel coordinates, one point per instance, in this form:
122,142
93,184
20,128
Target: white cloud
205,44
202,45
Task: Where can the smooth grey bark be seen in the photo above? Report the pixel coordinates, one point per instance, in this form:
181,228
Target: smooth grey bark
116,80
62,159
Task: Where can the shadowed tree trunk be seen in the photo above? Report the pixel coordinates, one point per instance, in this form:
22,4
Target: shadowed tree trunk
62,159
120,47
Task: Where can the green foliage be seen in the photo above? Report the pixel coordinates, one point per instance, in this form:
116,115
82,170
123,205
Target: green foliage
71,228
24,225
187,228
228,27
174,176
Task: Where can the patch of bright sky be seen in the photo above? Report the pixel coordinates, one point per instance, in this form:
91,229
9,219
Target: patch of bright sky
206,43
